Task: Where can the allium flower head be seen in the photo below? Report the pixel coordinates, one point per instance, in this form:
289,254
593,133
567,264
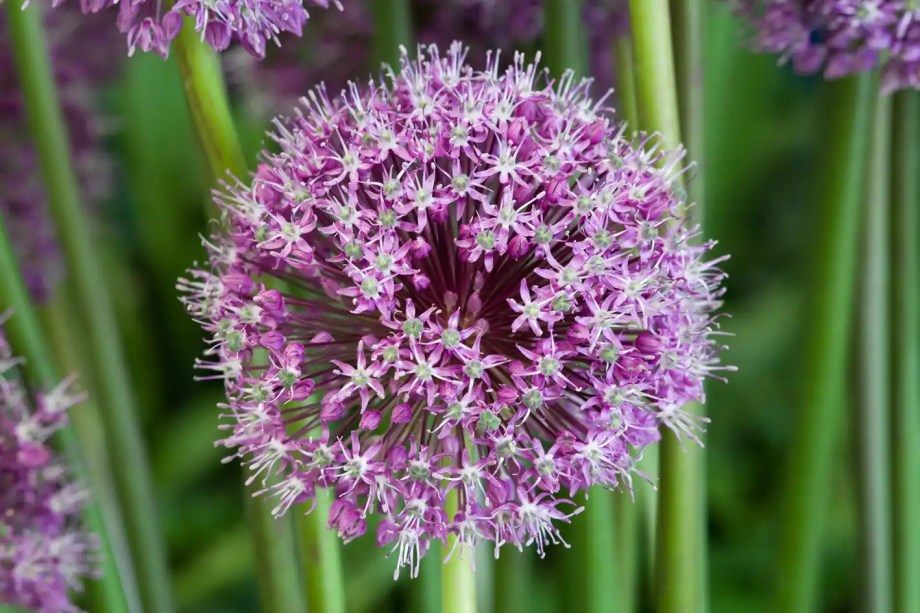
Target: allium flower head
842,37
454,280
151,25
44,554
82,63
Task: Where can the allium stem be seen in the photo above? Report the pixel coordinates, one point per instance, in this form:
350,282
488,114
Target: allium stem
132,475
427,596
458,587
626,82
276,565
824,370
392,29
688,36
656,84
565,38
678,547
322,558
603,574
627,525
206,94
596,564
679,535
629,505
905,418
688,32
89,431
25,334
512,582
872,375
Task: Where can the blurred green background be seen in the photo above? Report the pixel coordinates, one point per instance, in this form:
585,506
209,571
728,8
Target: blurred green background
763,148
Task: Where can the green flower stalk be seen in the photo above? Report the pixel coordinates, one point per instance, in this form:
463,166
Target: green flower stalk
319,550
392,30
872,375
321,558
564,37
132,475
679,548
905,345
819,417
688,32
458,587
206,95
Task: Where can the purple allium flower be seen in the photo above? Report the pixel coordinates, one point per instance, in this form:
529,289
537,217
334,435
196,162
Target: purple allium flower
80,55
44,553
842,37
340,44
252,23
455,281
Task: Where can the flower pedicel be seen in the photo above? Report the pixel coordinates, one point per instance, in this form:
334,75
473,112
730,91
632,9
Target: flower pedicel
455,280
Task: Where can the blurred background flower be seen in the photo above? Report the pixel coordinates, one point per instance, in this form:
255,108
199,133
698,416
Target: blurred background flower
44,552
841,37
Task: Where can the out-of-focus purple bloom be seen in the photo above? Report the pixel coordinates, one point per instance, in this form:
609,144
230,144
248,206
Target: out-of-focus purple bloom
44,553
455,280
80,50
339,46
151,25
841,37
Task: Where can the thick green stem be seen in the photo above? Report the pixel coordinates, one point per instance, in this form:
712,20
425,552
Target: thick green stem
679,536
905,417
626,82
319,551
427,594
321,558
458,584
627,527
604,575
113,393
392,30
276,565
88,427
206,95
872,375
629,505
564,45
656,85
25,334
678,547
688,33
818,419
512,576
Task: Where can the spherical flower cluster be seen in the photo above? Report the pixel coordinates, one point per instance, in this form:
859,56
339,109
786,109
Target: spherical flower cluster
340,44
81,58
842,37
455,283
43,552
151,25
